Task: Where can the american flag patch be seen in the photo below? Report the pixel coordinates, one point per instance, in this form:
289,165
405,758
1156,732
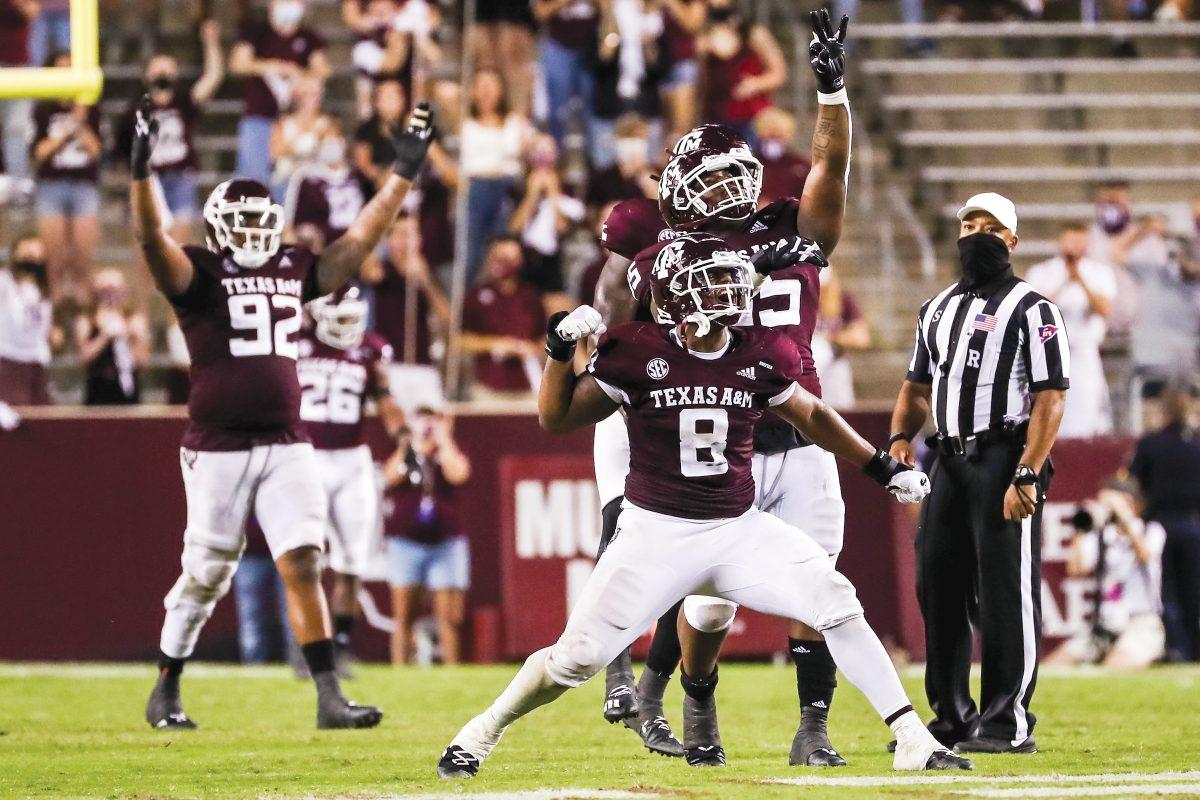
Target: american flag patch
983,322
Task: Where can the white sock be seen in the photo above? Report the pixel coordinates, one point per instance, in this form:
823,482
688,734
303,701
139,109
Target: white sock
530,688
860,656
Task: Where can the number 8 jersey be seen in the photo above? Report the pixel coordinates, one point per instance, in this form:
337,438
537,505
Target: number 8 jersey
691,416
241,327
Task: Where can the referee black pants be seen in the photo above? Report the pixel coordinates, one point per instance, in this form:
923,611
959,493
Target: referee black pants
976,569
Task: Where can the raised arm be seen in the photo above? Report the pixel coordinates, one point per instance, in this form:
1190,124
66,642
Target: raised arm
169,265
214,67
342,259
823,202
567,401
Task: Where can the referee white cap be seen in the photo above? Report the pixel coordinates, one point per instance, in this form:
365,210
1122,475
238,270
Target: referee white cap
997,205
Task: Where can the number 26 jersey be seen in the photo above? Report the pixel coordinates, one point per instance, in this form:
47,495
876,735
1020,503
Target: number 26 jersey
691,416
241,327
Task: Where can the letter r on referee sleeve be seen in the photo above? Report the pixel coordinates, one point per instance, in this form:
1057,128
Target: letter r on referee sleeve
1047,353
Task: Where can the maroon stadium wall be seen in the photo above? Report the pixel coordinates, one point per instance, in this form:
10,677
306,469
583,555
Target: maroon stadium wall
91,517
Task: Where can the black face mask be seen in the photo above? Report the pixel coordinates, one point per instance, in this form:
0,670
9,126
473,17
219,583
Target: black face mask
984,260
161,83
721,14
34,269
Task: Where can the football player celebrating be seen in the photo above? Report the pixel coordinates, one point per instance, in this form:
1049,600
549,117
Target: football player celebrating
238,302
340,367
694,393
712,183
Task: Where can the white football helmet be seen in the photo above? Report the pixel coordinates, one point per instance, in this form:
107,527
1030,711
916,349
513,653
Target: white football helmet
341,318
243,222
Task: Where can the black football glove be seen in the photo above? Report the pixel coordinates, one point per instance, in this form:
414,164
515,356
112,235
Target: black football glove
145,132
557,347
413,142
788,252
827,52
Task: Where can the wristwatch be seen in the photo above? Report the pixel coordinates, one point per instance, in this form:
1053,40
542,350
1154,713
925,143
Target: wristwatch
898,437
1025,476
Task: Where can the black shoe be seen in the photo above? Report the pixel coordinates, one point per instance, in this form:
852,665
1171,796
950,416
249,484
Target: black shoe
164,709
620,703
656,734
811,746
989,744
701,734
945,759
457,763
336,712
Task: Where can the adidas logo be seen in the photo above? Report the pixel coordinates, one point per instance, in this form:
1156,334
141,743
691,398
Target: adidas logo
801,649
757,226
819,704
748,372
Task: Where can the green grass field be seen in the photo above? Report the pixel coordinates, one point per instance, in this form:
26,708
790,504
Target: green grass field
77,731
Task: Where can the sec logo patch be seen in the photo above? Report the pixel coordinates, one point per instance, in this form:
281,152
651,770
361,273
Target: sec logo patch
657,368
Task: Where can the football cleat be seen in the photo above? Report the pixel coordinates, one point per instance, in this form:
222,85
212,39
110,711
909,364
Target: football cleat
334,712
988,744
620,704
164,710
916,749
947,759
656,734
701,734
456,762
811,746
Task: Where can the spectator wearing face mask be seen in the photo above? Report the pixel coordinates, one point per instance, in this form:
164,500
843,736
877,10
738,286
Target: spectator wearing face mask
784,170
630,175
544,215
27,331
741,66
1118,239
177,110
325,195
391,36
504,321
632,59
66,154
272,57
1084,290
113,341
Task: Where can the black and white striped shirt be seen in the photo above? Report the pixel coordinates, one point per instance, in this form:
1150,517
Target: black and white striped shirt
985,356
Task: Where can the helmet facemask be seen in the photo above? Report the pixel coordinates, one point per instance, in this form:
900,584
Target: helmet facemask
723,186
249,228
716,290
341,324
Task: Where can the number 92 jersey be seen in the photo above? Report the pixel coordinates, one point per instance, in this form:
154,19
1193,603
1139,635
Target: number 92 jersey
691,416
335,384
241,327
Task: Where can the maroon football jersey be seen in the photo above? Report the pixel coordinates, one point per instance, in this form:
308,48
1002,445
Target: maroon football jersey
632,226
241,327
787,301
330,202
691,417
335,385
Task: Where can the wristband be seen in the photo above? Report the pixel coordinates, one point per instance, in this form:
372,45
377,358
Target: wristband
899,437
140,169
1024,476
882,468
557,347
838,98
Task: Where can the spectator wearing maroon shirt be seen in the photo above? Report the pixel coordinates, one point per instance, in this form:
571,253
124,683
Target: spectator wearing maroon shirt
569,33
16,17
741,66
426,545
784,170
113,340
390,37
628,65
324,199
629,176
411,312
503,41
371,152
682,22
272,56
177,109
66,153
504,322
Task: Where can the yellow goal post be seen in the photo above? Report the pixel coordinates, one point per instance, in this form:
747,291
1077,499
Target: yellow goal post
82,81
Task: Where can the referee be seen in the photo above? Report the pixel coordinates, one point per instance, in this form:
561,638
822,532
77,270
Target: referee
991,363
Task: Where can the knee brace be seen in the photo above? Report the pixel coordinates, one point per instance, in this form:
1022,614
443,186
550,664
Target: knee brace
708,614
575,658
206,576
836,601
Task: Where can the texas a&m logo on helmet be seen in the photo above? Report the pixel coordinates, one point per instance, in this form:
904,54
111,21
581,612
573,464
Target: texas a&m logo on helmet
698,279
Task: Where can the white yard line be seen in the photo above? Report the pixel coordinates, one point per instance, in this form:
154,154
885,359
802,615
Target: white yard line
950,780
1124,790
535,794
